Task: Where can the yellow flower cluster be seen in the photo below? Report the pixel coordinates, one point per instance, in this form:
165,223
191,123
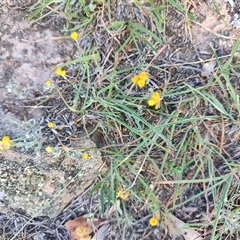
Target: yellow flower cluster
5,143
123,194
154,100
140,79
60,72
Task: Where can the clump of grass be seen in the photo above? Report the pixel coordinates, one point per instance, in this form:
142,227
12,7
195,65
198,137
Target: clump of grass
71,11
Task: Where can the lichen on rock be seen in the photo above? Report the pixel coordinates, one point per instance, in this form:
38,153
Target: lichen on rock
42,184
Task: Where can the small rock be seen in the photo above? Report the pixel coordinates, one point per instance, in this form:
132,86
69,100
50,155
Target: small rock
226,33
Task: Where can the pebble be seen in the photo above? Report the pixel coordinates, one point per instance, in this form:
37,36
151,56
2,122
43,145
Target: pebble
226,33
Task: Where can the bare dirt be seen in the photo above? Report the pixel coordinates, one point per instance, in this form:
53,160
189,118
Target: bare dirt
29,53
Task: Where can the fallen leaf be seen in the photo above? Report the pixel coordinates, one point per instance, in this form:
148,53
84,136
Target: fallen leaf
79,228
177,228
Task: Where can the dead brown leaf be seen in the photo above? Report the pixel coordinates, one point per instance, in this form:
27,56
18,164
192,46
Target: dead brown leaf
79,228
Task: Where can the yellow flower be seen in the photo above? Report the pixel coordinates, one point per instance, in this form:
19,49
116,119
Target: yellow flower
83,233
140,79
141,83
154,100
49,149
50,124
143,76
58,71
135,79
74,36
123,194
5,143
48,83
85,156
153,221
